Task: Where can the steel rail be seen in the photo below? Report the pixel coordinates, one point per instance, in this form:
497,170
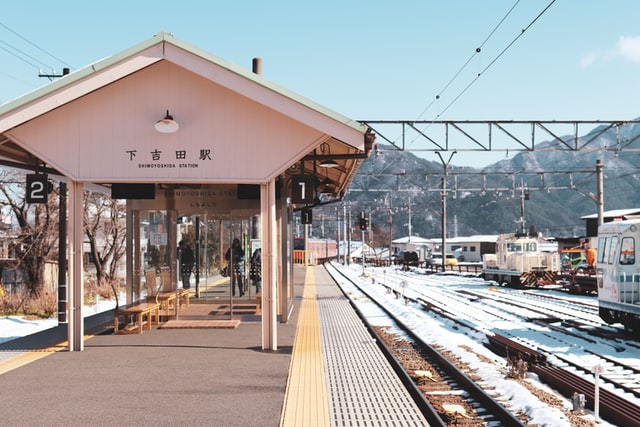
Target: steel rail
496,409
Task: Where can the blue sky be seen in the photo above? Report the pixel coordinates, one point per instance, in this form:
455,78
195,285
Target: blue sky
368,60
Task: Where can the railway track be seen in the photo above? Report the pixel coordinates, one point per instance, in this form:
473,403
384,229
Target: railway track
613,407
455,396
566,379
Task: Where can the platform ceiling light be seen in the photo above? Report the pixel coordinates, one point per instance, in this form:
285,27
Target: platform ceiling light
167,125
329,163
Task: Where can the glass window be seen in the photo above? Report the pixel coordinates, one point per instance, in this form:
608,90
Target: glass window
627,251
602,248
612,250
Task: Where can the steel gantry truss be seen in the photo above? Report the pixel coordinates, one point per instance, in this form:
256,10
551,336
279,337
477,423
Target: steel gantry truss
477,182
505,135
496,135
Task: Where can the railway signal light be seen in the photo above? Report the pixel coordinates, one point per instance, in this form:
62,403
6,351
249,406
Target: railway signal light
364,221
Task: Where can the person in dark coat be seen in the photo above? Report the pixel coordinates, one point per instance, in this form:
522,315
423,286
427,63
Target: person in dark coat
185,255
256,269
235,258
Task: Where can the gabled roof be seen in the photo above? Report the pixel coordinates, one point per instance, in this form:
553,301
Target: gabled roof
477,238
301,127
156,40
417,240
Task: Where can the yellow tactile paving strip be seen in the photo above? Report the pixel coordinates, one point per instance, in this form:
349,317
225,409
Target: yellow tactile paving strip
305,401
24,358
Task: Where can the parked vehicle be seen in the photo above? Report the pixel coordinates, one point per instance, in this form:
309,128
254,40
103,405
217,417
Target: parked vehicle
408,258
436,259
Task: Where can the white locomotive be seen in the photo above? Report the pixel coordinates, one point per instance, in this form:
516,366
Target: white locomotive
522,260
618,273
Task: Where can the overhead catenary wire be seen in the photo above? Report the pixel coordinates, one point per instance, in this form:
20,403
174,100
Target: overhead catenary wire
476,52
516,38
485,69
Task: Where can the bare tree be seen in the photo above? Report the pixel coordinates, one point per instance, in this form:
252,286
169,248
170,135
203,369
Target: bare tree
36,240
105,229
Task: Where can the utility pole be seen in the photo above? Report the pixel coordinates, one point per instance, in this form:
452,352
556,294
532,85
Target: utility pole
409,225
600,191
523,196
445,166
390,228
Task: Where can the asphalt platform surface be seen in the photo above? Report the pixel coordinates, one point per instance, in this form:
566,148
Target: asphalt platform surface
162,377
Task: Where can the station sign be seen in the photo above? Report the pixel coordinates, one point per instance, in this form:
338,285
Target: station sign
37,188
302,189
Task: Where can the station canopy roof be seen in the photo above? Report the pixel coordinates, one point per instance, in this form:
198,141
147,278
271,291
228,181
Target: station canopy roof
96,124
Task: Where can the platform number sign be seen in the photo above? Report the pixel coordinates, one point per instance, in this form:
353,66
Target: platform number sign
307,216
302,189
37,188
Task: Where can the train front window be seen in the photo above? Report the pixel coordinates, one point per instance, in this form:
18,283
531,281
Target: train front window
627,251
514,247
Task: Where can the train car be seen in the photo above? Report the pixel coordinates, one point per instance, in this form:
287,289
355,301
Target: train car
522,260
618,273
315,251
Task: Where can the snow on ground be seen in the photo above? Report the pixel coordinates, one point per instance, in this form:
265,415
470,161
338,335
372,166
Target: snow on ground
437,331
12,327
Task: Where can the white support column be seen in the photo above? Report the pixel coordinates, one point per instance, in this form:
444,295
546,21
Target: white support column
76,286
269,266
131,260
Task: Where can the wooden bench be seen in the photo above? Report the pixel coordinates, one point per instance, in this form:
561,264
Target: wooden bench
167,301
161,294
183,296
142,314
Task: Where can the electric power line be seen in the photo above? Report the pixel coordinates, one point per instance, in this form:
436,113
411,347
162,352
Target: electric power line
21,58
34,45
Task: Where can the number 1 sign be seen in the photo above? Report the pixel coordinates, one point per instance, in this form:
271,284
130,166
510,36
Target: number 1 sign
302,189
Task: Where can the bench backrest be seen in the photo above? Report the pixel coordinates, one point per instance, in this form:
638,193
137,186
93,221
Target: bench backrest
151,283
165,280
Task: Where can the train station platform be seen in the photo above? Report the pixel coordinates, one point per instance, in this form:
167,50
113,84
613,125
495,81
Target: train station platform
327,371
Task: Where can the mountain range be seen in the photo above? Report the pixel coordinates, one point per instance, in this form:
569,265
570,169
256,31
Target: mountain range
552,186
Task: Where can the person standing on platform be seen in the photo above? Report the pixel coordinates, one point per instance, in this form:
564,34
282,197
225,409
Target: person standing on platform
256,269
235,259
185,255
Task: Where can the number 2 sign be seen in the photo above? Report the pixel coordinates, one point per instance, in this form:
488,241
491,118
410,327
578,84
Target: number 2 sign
37,188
